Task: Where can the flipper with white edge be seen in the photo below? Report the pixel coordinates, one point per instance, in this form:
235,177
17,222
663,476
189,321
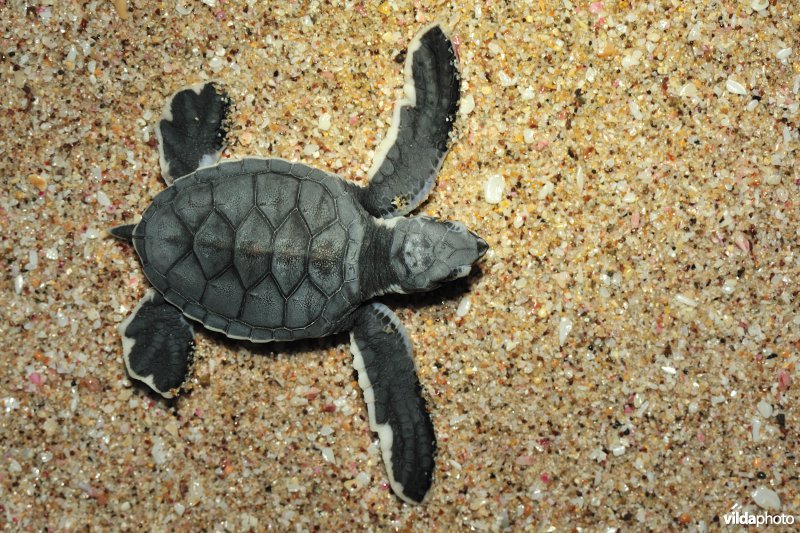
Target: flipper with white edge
408,160
157,343
388,377
192,129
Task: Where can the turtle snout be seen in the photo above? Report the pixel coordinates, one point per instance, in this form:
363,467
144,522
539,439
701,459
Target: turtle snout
481,245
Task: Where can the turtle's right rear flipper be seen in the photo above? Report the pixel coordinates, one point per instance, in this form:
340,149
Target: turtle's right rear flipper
191,132
157,343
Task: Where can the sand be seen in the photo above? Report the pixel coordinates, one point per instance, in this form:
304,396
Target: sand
625,356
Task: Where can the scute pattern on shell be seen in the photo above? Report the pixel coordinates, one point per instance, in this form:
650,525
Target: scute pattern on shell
261,249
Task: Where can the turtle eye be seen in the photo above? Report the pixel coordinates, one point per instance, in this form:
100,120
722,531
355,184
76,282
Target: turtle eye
458,272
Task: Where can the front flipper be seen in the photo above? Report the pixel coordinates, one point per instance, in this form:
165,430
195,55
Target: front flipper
157,343
191,132
387,375
407,161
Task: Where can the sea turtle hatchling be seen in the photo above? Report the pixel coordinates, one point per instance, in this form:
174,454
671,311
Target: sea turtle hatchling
268,250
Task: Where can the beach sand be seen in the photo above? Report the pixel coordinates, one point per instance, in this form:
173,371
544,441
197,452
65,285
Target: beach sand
624,357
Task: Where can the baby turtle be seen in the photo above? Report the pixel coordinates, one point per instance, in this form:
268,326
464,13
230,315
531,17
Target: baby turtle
268,250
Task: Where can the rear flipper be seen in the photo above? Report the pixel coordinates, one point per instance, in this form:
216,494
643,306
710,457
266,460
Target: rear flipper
387,375
157,343
192,129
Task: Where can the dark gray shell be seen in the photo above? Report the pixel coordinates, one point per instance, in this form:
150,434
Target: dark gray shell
261,249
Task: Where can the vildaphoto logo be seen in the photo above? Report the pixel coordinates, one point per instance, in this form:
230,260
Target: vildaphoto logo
737,518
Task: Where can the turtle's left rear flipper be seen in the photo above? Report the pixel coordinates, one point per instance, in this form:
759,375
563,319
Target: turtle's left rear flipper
407,161
157,343
387,375
192,129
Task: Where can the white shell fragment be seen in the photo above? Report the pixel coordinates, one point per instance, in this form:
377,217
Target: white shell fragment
467,105
735,87
564,329
632,59
528,136
506,80
494,188
756,429
688,90
102,199
324,121
685,300
694,33
546,189
783,54
759,5
463,306
19,283
764,409
327,454
182,8
766,498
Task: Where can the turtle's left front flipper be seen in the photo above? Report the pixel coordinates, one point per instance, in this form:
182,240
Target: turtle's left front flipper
407,161
387,375
157,343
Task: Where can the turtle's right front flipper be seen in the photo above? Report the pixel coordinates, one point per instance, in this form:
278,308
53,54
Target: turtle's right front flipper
387,375
157,343
408,159
192,129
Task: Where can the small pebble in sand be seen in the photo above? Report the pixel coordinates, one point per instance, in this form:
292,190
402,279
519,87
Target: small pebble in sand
729,286
158,451
764,409
38,181
122,8
196,492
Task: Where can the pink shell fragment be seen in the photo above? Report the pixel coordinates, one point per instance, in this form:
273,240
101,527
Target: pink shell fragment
784,380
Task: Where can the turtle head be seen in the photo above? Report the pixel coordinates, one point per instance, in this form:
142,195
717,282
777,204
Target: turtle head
427,252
